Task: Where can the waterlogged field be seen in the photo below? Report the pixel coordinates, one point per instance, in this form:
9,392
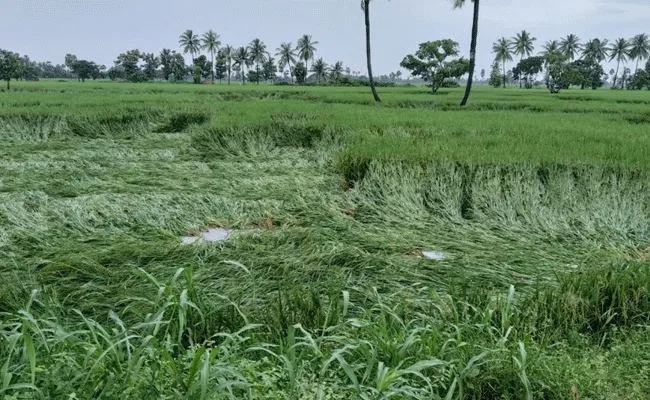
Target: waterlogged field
535,207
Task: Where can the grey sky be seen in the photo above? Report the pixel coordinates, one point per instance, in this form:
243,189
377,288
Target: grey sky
99,30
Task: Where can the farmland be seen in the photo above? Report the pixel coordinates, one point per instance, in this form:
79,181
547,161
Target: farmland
538,205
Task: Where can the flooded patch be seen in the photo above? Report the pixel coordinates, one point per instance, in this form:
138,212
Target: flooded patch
212,235
433,255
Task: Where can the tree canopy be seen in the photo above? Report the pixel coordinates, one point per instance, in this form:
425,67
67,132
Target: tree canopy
430,62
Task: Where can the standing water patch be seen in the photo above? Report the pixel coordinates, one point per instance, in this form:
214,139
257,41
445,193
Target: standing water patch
212,235
433,255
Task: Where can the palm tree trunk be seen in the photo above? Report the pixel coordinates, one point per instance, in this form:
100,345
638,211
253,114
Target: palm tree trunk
366,11
229,69
637,66
212,54
472,54
290,71
504,74
616,76
522,59
257,71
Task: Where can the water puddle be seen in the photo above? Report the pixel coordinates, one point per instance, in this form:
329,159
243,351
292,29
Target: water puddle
433,255
212,235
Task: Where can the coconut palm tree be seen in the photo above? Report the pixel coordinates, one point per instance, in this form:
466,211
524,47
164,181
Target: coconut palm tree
550,47
523,46
286,56
242,60
228,51
639,48
319,69
365,7
472,47
336,71
570,46
306,49
190,43
257,55
619,51
595,49
502,50
211,43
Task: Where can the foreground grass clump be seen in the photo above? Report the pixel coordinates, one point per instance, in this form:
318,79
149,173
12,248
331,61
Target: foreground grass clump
539,205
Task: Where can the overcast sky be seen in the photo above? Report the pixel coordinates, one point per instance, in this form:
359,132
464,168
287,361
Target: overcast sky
99,30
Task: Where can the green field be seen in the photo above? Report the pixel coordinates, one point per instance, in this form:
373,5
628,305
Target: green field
539,204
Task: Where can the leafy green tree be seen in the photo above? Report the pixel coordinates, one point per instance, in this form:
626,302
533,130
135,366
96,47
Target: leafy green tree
502,50
595,50
472,47
210,42
589,73
202,68
85,69
190,43
640,80
429,62
28,70
319,69
129,61
258,53
269,69
365,7
336,72
639,48
300,70
495,75
619,51
306,48
228,52
523,45
287,56
527,70
220,68
166,59
151,65
69,61
116,72
570,46
9,66
178,68
242,60
559,74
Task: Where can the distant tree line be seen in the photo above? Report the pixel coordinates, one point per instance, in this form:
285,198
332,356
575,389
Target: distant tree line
568,62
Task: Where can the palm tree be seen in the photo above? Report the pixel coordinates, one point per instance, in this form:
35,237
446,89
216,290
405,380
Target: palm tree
523,46
242,59
336,71
365,7
502,50
286,55
472,47
211,44
306,49
595,50
228,52
550,47
190,43
619,51
257,55
570,46
319,69
639,48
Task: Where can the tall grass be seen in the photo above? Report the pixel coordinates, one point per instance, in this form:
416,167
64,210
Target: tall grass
538,203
